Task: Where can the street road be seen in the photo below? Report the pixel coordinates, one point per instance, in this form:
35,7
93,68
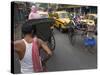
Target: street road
68,57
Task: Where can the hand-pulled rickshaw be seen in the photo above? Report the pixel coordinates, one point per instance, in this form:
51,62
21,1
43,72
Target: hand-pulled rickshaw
42,29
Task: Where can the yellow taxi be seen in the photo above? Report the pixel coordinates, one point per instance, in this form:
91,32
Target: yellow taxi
89,19
61,20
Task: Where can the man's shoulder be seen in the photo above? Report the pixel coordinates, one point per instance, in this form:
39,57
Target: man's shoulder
40,41
19,45
18,42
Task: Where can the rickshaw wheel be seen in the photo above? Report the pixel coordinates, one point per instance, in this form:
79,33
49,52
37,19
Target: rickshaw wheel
51,42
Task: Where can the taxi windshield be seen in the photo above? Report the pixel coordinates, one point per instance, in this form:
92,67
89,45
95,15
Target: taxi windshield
91,17
63,15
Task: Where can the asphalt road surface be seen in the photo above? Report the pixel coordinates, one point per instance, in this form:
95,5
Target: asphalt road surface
68,57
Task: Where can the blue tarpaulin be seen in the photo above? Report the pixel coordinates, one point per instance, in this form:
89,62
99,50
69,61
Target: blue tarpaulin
89,41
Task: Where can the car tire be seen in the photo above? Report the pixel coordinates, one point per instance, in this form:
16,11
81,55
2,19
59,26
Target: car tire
60,29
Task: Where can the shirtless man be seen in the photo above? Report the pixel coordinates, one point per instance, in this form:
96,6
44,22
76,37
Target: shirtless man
23,48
